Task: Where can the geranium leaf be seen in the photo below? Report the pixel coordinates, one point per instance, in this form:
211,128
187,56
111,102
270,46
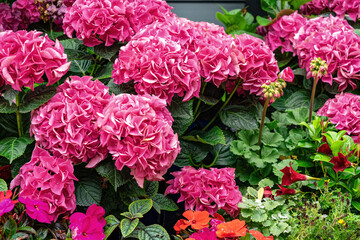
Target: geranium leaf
13,147
128,226
164,203
239,117
36,98
266,182
140,206
259,215
153,232
87,191
111,223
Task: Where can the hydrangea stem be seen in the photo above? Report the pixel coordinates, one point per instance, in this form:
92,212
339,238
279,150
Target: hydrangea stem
223,106
266,104
18,116
196,114
312,98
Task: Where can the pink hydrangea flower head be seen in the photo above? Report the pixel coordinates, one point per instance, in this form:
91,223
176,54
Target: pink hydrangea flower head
47,186
342,7
26,56
27,11
88,226
99,21
66,125
6,204
137,131
314,7
255,63
160,67
281,32
148,11
344,112
206,190
334,41
8,20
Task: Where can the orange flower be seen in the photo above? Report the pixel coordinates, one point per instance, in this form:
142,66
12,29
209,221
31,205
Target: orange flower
235,228
258,235
180,225
198,219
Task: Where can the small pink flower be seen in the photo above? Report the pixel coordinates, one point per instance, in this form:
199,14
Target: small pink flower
88,226
37,210
206,190
287,75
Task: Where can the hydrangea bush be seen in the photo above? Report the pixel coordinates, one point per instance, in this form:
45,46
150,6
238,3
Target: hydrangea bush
116,112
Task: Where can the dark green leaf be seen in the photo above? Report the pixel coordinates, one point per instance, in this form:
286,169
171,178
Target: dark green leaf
111,223
10,226
165,203
140,206
13,147
5,107
3,185
151,188
87,191
191,152
153,232
255,178
27,229
212,137
128,226
80,66
10,94
115,177
36,98
107,52
238,117
105,71
183,115
222,153
356,205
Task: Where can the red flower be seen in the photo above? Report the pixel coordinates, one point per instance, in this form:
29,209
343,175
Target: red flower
198,219
285,191
291,176
325,149
259,236
5,172
268,193
180,225
340,162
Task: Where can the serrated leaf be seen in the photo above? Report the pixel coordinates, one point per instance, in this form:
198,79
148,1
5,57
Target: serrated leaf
12,147
107,52
80,66
5,107
259,215
3,185
164,203
140,206
272,139
127,226
238,117
270,205
182,114
151,187
212,137
115,177
105,71
111,223
36,98
87,191
246,212
278,228
266,182
153,232
222,153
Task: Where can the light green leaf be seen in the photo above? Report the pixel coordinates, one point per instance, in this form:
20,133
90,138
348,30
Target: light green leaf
297,3
153,232
115,177
322,157
127,226
263,21
127,215
356,205
140,206
87,191
12,147
272,139
259,215
34,99
270,205
266,182
246,212
111,223
3,185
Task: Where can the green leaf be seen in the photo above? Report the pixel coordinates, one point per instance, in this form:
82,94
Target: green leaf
297,3
5,107
10,94
3,185
88,191
270,205
356,205
36,98
255,178
259,215
153,232
191,152
19,235
128,226
222,153
272,139
164,203
278,228
212,137
13,147
238,117
284,163
304,163
111,223
182,114
127,215
107,52
140,206
266,182
322,157
263,21
151,188
10,226
105,71
270,7
246,212
27,229
115,177
80,66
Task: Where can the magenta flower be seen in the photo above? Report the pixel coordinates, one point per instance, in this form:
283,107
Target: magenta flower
344,112
206,190
27,11
204,234
160,67
6,204
26,56
89,226
255,62
342,7
8,19
137,131
287,75
47,186
66,125
314,7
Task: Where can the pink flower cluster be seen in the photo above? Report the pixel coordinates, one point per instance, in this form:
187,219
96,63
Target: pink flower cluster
344,112
340,7
137,131
66,125
25,12
256,64
26,56
88,226
52,10
47,186
158,66
333,40
282,32
107,21
206,190
8,20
